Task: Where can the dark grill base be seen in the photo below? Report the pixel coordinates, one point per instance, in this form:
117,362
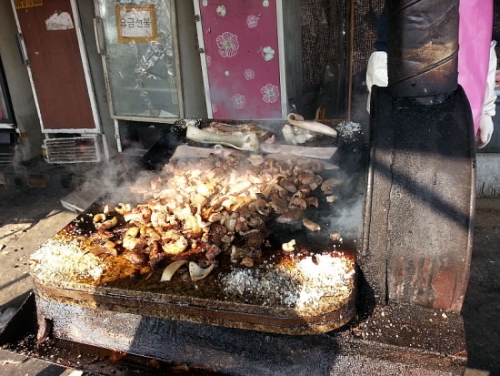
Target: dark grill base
395,340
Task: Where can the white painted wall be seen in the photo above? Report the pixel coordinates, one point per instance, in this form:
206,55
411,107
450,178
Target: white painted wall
87,13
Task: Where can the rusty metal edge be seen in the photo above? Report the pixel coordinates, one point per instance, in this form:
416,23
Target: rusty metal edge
303,325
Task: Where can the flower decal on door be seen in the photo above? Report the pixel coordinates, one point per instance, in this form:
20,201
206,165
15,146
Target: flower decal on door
238,101
249,74
268,53
270,93
228,44
252,21
221,10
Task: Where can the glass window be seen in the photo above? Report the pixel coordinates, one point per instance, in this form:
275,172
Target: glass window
140,58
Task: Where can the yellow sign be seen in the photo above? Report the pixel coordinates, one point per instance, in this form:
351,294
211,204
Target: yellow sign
20,4
137,24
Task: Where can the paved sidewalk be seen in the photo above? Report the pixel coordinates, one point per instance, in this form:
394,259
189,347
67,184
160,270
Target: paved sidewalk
12,364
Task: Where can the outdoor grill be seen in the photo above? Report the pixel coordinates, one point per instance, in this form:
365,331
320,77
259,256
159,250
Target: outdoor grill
402,220
283,260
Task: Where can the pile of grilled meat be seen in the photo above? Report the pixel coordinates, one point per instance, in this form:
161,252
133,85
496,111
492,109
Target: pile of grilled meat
225,206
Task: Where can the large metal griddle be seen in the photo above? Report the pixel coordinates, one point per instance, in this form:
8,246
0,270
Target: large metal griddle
149,297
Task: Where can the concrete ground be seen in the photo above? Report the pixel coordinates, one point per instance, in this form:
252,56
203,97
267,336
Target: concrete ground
31,212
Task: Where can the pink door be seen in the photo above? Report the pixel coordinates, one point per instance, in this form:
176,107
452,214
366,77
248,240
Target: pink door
241,51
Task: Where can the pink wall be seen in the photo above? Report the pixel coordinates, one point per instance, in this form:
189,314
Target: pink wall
241,45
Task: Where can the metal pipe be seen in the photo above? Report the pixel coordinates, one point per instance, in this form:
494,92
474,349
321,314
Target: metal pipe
422,44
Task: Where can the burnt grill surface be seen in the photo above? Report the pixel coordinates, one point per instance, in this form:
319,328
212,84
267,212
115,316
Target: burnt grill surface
204,302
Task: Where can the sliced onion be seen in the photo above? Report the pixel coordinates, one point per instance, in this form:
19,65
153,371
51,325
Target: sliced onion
132,217
198,273
171,269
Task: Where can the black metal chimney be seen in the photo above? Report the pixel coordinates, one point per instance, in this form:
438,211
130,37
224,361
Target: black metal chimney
422,41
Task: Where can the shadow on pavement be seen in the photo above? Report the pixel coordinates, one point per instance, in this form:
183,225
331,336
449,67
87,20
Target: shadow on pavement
481,309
